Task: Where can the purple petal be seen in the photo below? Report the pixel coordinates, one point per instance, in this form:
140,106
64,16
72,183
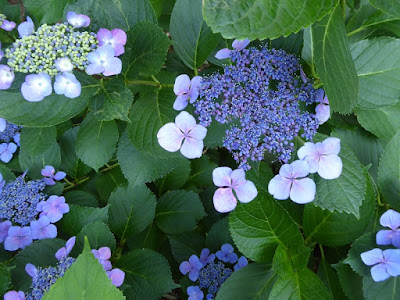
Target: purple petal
182,85
118,49
323,113
303,191
14,295
61,253
26,28
330,166
181,102
185,122
194,275
222,176
279,187
6,77
78,20
117,277
199,132
112,66
240,44
104,36
106,52
303,77
238,177
224,200
119,36
195,83
320,95
185,267
70,244
49,181
233,258
6,156
60,175
372,257
227,248
223,53
48,171
193,95
3,124
331,146
104,253
92,69
392,258
170,137
286,171
31,270
4,227
192,148
246,192
384,237
300,169
379,273
195,262
390,219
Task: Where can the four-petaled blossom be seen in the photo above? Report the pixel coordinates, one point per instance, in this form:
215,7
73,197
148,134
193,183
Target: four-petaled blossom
194,293
64,251
205,256
18,238
53,208
323,157
66,84
14,295
103,61
64,64
322,110
116,38
185,129
4,226
78,20
6,77
103,255
385,263
237,44
226,254
8,25
290,183
228,180
42,229
193,267
26,28
49,174
242,262
117,276
36,87
7,151
389,219
187,90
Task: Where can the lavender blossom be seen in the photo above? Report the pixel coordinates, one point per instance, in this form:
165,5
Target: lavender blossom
103,255
389,219
385,263
194,293
193,267
7,151
116,38
26,28
53,208
18,238
36,87
42,229
6,77
226,254
14,295
187,90
64,251
102,61
78,20
67,85
8,25
50,175
117,276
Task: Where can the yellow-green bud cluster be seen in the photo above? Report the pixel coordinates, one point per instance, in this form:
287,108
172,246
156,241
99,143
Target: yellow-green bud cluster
2,18
37,53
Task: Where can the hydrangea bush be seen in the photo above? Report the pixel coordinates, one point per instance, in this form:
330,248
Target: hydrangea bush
189,149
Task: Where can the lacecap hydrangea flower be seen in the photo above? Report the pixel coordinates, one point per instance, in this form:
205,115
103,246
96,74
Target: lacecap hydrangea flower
186,90
49,175
116,38
389,219
210,275
103,61
385,263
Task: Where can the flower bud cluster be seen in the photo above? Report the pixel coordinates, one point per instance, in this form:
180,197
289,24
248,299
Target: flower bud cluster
37,53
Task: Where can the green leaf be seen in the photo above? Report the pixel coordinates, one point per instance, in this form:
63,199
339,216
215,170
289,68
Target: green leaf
383,121
81,198
147,273
377,62
132,209
5,278
388,6
258,227
151,168
331,280
260,19
290,259
302,285
113,102
215,134
6,173
145,50
46,11
362,244
201,173
253,282
338,229
35,141
260,175
194,39
350,281
96,141
79,216
346,193
108,181
186,244
176,179
389,173
152,238
291,44
123,14
387,290
178,211
52,110
98,234
70,163
334,63
85,279
218,235
40,253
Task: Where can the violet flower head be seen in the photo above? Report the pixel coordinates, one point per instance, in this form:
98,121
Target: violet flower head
116,38
206,257
236,44
78,20
185,129
4,227
64,251
290,183
36,87
242,262
117,276
385,263
66,84
7,151
195,293
389,219
322,110
228,180
8,25
103,255
226,254
53,208
102,61
26,28
187,90
50,175
6,77
18,238
323,157
14,295
42,229
193,267
64,64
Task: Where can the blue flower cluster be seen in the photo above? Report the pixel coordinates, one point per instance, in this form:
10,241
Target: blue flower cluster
22,203
8,132
260,95
210,274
